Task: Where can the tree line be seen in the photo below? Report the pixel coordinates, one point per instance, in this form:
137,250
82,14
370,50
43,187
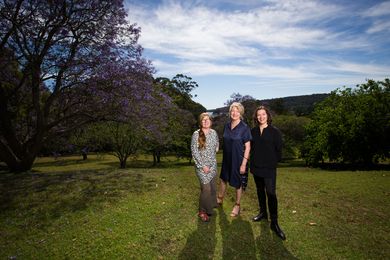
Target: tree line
73,79
348,126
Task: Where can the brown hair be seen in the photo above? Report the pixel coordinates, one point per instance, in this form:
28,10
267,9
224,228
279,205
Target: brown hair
269,117
202,136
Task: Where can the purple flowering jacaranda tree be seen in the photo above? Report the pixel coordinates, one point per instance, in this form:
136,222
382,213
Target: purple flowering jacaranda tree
65,63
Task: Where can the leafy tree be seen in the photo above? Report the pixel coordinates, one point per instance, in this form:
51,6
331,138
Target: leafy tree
351,125
125,138
178,89
68,62
184,120
180,131
293,131
122,139
277,105
237,97
184,84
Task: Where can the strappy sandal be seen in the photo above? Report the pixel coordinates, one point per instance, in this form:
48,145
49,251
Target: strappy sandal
233,214
219,200
203,216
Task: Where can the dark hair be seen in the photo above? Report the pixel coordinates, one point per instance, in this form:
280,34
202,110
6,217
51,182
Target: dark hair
269,117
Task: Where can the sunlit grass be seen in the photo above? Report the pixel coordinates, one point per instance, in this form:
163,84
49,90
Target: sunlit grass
91,209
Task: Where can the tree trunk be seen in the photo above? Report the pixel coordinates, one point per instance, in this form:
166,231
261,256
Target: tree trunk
122,163
154,159
158,156
20,157
16,163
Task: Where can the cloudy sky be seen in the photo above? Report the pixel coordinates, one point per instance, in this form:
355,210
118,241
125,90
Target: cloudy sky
265,48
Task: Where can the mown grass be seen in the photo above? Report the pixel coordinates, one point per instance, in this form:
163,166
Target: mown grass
74,209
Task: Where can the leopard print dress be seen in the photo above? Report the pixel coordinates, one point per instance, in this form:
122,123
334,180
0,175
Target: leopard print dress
206,156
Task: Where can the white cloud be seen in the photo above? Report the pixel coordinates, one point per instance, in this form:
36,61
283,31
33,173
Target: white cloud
381,9
380,14
210,34
380,26
296,44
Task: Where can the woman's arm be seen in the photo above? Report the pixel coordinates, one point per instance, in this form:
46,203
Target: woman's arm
195,150
217,141
246,157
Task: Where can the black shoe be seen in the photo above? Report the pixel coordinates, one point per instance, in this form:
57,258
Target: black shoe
259,217
275,227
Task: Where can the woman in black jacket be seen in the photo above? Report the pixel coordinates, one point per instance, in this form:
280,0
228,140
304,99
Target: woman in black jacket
266,152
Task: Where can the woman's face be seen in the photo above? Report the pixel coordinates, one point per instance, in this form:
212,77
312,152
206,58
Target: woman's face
235,114
206,122
262,116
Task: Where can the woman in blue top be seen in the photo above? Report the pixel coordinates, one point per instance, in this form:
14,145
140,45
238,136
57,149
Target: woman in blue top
236,148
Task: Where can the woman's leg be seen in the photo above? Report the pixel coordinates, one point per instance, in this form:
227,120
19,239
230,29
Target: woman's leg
222,190
237,206
270,188
238,195
204,198
260,189
213,198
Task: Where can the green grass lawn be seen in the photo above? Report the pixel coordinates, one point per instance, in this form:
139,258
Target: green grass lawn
74,209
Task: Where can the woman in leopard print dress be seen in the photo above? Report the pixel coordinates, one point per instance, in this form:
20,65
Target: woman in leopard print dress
204,146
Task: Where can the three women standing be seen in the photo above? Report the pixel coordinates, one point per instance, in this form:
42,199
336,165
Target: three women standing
263,143
204,146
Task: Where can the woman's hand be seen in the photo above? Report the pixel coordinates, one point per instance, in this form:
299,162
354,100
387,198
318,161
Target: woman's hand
242,169
206,169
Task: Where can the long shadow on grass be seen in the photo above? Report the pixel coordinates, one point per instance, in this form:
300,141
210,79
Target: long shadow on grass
270,246
41,197
237,238
354,167
65,161
145,164
201,243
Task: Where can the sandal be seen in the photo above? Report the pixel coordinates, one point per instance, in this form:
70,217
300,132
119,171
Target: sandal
234,214
219,200
203,216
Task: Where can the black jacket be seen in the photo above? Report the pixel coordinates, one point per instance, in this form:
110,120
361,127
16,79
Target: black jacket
266,148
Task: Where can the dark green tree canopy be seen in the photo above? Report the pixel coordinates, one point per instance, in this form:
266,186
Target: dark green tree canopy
351,125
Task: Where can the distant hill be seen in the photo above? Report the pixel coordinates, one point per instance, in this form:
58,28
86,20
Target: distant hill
299,105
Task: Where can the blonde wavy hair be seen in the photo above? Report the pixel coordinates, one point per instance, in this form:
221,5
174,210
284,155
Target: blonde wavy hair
240,108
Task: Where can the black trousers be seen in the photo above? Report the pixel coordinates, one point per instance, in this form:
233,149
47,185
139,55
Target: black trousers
266,189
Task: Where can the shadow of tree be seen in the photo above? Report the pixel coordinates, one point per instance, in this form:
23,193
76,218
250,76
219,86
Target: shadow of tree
49,195
66,161
201,243
270,246
132,163
237,238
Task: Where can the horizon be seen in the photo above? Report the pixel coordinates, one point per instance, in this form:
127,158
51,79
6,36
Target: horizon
208,110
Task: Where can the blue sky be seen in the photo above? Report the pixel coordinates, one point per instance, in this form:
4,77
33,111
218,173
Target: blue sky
265,49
